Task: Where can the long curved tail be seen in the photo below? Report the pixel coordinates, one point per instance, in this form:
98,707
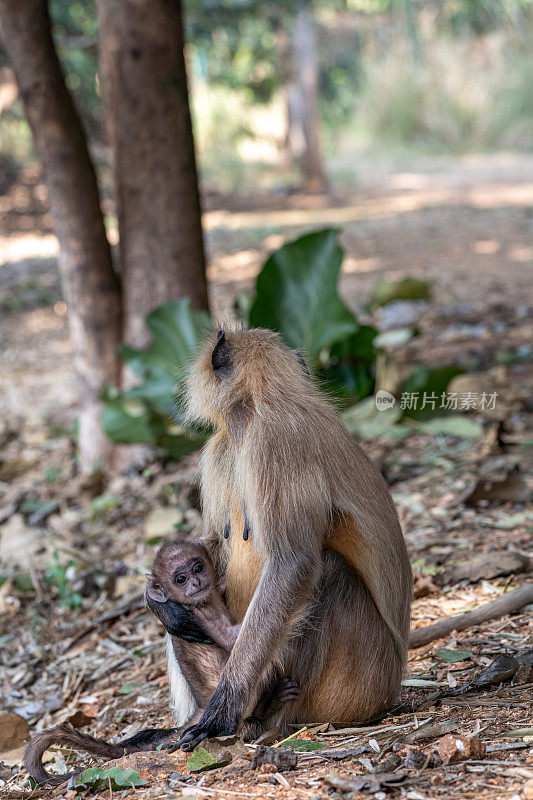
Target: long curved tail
66,736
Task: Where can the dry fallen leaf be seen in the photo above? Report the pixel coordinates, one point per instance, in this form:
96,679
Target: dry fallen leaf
424,586
415,759
233,745
501,669
523,675
13,758
425,732
20,541
9,604
14,731
128,584
81,718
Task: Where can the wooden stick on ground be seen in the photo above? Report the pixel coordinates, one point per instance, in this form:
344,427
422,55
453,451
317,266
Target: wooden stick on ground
506,604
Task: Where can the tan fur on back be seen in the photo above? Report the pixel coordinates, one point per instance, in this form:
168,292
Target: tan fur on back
346,540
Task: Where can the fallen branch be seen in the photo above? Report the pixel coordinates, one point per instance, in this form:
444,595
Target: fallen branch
506,604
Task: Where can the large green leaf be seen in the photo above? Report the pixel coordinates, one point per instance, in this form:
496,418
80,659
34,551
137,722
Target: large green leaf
176,330
177,445
456,425
348,367
451,656
404,289
432,383
366,421
304,745
201,760
297,294
126,422
114,778
149,412
133,420
158,387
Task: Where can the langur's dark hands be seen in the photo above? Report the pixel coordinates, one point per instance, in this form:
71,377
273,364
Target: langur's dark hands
217,720
178,621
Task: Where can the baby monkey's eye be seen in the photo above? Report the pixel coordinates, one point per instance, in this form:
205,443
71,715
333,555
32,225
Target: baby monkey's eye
180,579
199,568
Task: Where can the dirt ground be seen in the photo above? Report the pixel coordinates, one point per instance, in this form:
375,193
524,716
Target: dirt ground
76,643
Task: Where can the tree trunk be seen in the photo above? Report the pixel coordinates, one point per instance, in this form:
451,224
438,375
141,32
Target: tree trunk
150,133
303,98
90,286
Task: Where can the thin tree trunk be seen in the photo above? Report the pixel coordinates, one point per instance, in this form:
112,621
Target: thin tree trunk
150,133
90,286
305,99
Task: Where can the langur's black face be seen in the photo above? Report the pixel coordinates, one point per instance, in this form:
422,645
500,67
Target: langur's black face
242,368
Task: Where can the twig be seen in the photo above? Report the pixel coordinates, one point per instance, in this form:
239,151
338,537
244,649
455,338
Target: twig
208,789
506,604
35,579
374,729
292,736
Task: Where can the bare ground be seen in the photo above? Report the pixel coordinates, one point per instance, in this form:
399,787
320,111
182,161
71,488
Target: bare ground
466,227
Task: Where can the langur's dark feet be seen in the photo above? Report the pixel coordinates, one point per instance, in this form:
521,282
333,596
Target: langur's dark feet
285,691
220,718
193,736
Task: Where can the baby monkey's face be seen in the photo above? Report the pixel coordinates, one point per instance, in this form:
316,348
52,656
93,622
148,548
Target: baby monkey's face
191,581
182,572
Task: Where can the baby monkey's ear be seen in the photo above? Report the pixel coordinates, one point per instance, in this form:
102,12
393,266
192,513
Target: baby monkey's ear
155,591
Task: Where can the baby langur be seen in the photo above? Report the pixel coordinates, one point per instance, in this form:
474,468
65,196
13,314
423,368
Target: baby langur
183,576
183,592
183,573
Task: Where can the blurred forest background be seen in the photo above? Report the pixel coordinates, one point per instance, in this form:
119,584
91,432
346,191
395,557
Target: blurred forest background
355,174
395,77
